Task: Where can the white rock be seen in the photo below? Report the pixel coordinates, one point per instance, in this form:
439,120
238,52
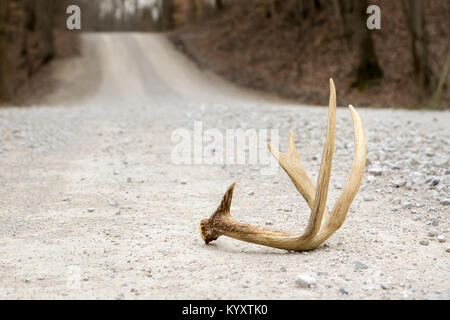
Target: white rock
305,281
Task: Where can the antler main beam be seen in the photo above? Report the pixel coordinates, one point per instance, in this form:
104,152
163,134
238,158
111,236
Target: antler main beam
320,226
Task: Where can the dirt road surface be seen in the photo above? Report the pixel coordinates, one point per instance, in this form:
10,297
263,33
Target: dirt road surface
93,206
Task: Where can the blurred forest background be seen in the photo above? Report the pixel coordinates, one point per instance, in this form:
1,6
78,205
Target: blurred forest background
285,47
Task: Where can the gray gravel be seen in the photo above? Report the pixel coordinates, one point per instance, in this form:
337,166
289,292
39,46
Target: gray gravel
103,141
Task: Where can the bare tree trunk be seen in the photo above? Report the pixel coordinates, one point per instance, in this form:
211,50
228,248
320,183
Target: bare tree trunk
122,15
437,96
166,13
45,25
312,11
200,9
5,91
341,8
416,22
368,67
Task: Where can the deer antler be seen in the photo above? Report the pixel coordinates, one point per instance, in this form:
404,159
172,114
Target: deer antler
320,226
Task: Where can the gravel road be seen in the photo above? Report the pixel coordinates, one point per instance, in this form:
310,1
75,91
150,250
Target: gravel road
92,205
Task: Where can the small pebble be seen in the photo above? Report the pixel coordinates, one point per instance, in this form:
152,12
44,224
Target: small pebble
343,292
398,183
407,205
414,162
424,242
361,265
369,198
445,201
385,286
440,162
434,182
376,171
120,296
90,209
183,182
433,233
441,238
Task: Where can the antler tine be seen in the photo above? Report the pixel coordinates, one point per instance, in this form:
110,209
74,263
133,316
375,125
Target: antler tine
340,209
291,164
323,180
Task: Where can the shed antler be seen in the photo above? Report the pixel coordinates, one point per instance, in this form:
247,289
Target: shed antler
320,226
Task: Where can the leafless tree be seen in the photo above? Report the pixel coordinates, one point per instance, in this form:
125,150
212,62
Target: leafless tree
415,17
